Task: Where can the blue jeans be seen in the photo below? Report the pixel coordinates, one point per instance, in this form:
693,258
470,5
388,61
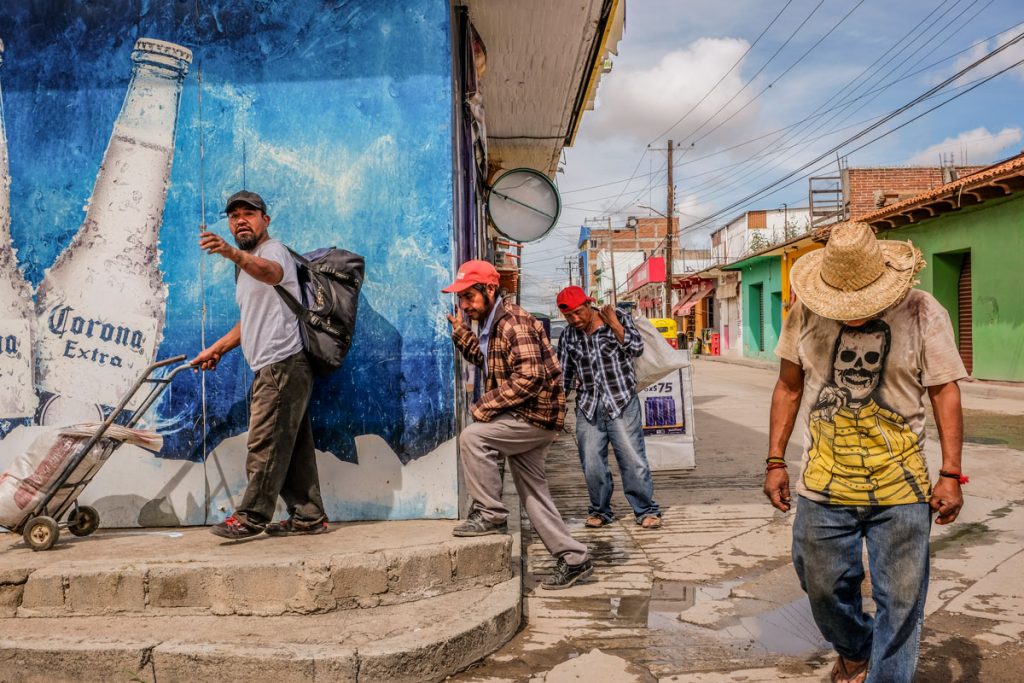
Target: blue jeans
827,551
625,433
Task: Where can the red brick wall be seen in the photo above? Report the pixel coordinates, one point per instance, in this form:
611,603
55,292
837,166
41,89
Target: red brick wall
861,184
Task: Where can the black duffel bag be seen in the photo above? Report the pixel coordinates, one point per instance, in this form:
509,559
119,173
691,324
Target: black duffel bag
329,280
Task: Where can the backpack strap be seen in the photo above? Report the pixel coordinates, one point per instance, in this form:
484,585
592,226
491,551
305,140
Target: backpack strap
294,305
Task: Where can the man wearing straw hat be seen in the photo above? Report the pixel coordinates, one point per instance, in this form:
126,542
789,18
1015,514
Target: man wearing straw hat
864,348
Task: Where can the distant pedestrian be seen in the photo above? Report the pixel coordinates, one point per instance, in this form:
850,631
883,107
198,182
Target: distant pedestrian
596,352
282,458
865,348
518,415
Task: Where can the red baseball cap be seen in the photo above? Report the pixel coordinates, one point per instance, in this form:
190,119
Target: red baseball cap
571,298
471,273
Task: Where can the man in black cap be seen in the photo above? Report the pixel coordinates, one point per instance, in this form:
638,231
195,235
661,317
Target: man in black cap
282,459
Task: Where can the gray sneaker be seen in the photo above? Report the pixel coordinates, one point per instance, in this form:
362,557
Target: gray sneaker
476,525
565,574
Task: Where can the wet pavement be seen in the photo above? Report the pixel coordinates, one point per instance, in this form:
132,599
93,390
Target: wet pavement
712,596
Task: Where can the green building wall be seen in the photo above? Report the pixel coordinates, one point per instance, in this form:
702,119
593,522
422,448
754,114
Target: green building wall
761,275
993,234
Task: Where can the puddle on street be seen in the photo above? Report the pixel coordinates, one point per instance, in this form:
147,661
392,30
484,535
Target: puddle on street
786,630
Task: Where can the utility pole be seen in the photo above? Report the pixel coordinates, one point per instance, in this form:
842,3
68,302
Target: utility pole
667,304
570,263
611,245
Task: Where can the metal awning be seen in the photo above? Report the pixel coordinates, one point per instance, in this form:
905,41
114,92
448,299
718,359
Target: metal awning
544,62
691,299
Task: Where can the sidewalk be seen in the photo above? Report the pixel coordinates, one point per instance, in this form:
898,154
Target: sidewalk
712,596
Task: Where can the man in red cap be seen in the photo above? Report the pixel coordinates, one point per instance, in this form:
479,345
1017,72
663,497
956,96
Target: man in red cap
518,415
596,352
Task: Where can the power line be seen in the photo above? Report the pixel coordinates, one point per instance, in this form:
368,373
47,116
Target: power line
812,116
758,73
802,143
724,76
885,119
780,76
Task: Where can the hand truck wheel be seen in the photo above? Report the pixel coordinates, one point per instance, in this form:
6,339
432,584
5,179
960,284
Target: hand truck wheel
83,521
41,533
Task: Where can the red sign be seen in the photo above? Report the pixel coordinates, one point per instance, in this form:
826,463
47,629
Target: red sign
651,270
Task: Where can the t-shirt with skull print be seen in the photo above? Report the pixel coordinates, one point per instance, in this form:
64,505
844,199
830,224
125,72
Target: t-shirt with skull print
864,395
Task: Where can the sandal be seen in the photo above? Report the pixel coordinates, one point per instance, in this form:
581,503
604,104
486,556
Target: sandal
651,523
849,671
595,522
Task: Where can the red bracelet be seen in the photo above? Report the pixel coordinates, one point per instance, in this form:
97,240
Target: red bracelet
960,477
775,466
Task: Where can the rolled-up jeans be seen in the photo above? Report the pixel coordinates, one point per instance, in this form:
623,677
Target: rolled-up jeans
282,458
626,435
828,543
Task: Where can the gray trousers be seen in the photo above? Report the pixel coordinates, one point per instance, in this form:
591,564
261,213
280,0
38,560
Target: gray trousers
282,459
482,445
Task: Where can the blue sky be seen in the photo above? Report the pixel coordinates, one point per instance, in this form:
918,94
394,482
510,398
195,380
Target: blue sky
674,52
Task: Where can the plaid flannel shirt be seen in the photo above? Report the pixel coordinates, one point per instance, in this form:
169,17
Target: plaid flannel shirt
601,365
523,376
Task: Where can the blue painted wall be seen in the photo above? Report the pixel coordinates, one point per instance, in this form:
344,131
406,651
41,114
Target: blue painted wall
339,113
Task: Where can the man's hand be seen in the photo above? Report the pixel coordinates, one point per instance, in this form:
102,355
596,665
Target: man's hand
212,243
207,360
946,500
607,314
457,320
776,487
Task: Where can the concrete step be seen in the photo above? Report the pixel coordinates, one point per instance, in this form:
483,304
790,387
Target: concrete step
190,572
424,640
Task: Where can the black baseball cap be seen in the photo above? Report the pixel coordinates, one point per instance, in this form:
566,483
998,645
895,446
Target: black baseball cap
249,198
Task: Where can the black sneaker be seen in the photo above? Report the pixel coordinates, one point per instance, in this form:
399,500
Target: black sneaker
566,574
235,529
293,527
476,525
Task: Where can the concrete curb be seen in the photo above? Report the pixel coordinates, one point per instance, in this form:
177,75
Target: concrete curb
476,623
256,588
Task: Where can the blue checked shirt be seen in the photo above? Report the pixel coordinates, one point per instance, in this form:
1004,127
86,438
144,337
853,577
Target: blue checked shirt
600,367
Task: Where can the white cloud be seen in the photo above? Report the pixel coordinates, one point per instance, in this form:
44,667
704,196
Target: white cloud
641,103
1009,56
970,147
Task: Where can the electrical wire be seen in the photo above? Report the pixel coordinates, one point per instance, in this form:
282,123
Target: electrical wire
771,187
724,76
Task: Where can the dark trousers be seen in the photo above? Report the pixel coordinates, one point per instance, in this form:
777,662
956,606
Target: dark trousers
282,459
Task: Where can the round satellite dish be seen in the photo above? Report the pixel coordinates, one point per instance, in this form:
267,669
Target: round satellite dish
523,204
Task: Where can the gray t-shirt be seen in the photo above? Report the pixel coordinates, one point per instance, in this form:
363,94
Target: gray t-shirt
270,331
864,389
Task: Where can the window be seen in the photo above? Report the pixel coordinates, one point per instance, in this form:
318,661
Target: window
757,220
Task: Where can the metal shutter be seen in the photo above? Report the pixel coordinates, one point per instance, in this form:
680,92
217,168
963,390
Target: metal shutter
965,326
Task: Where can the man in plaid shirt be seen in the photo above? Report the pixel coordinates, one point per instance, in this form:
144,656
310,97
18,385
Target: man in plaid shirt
596,352
519,414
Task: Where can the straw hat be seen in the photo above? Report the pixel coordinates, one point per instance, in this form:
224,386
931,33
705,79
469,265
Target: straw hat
856,275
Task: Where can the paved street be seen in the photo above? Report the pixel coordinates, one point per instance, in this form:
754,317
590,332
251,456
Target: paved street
712,595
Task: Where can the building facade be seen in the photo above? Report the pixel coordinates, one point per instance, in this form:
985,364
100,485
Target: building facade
370,126
971,233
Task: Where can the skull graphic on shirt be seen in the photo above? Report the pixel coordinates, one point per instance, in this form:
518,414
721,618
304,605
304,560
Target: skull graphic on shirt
859,358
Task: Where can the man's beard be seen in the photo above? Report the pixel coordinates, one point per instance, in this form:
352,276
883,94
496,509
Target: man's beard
246,243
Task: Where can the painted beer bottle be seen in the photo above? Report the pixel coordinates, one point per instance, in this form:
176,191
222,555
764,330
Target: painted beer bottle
17,397
100,308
